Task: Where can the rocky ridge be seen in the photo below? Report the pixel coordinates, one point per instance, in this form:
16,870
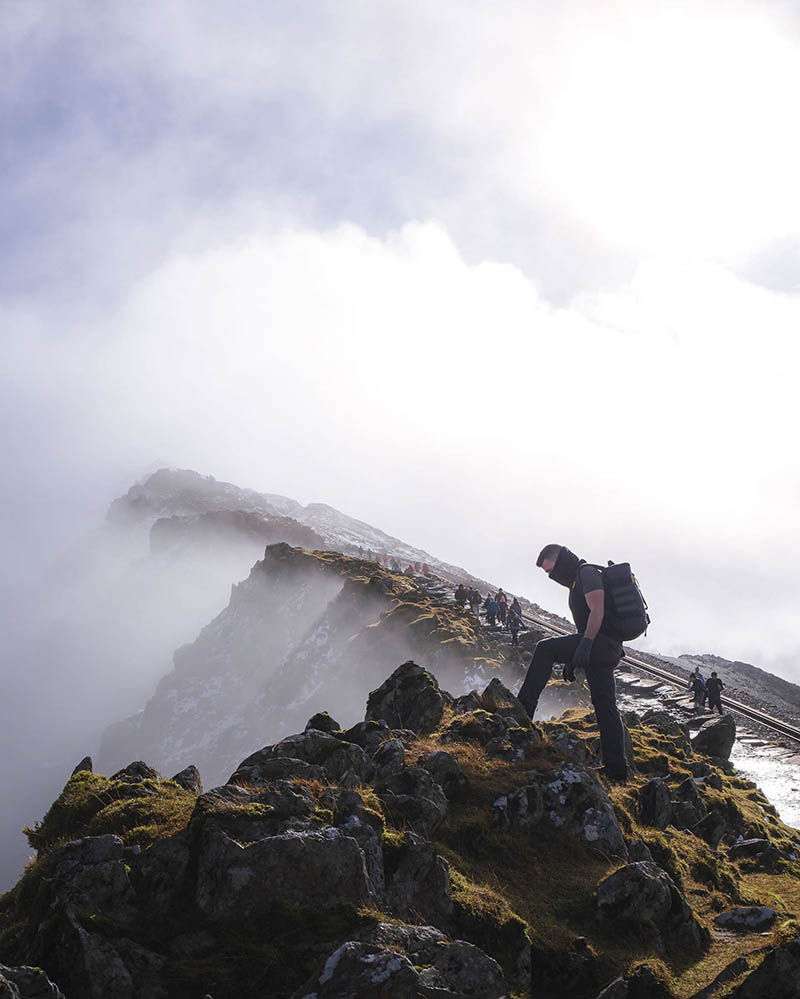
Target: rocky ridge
441,846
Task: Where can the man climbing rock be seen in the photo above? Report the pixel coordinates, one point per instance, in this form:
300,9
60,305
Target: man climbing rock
595,648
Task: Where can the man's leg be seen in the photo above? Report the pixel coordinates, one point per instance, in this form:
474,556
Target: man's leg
547,652
602,687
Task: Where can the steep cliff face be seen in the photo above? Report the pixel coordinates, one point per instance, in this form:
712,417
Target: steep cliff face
439,847
305,631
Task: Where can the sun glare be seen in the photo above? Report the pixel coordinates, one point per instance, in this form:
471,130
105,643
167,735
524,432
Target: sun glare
677,132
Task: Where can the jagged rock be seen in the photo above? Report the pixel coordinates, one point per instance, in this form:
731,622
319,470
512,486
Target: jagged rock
85,764
349,765
362,971
711,827
476,726
777,977
28,983
498,700
418,881
716,737
421,944
312,746
655,804
747,918
189,779
353,818
575,802
410,698
644,895
763,854
258,769
688,808
389,758
515,744
323,722
309,868
159,873
463,970
568,744
467,702
663,722
412,797
369,735
444,769
136,772
638,850
521,808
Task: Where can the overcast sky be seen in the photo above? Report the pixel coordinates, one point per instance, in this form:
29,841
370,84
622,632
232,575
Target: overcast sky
484,275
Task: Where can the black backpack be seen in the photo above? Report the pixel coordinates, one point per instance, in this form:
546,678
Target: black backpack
625,605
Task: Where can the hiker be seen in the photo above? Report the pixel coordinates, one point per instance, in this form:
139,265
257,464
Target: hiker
596,648
395,565
515,606
409,570
714,688
514,624
502,606
426,569
461,595
697,685
491,607
475,601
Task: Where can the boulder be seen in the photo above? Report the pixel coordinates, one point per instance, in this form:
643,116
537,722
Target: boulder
369,735
136,772
417,881
467,702
575,802
411,797
323,722
27,983
688,806
521,808
716,737
638,850
747,918
308,868
258,770
645,896
349,765
447,773
461,969
189,780
420,944
389,758
777,977
499,700
476,726
516,743
711,827
359,970
410,698
655,804
312,746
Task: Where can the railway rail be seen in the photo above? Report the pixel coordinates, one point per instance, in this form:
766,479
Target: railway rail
776,724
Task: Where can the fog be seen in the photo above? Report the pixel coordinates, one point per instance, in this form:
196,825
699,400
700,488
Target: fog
484,277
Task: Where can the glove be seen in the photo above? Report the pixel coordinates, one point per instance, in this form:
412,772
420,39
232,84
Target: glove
569,673
583,654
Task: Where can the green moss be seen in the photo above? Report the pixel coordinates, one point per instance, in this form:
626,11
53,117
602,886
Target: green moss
91,805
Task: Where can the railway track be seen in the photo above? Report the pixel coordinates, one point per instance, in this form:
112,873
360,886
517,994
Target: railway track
776,724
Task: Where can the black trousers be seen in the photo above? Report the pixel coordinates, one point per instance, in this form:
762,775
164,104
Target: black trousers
714,702
606,653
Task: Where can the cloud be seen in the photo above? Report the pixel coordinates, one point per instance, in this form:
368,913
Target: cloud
452,404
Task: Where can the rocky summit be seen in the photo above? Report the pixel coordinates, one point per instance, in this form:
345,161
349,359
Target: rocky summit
437,846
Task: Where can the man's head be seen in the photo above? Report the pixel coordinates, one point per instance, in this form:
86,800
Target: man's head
713,672
547,557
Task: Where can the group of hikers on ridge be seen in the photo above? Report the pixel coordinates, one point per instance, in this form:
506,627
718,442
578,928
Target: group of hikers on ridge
496,607
706,691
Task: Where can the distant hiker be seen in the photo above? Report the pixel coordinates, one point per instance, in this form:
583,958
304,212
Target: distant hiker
409,569
395,565
515,607
461,595
596,648
514,624
502,606
426,569
697,685
475,601
491,607
714,688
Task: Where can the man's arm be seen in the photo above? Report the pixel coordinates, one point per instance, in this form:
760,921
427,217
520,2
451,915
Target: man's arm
596,601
